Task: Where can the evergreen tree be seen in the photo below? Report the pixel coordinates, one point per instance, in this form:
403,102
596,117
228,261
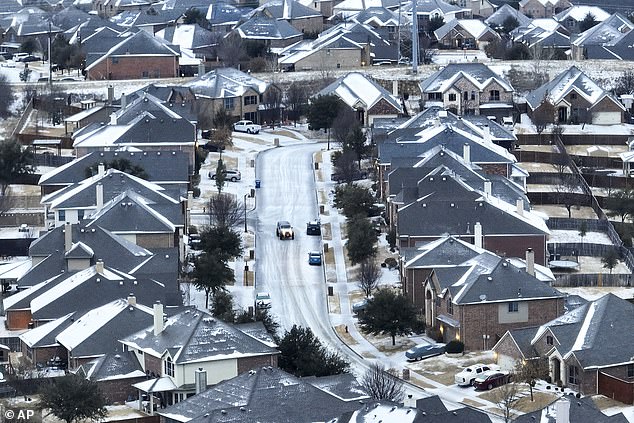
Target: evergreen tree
388,313
302,354
73,398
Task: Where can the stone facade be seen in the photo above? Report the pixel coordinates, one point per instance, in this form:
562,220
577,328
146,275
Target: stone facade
413,283
501,169
42,355
536,9
134,67
153,364
333,59
18,319
463,97
165,240
312,25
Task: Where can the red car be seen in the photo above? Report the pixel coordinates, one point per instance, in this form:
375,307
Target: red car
491,379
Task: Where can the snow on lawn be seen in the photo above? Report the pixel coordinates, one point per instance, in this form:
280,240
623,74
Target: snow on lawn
562,236
592,293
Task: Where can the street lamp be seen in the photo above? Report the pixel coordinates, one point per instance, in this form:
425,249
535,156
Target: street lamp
245,212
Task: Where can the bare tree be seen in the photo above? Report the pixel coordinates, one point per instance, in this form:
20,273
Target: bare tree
544,115
296,99
568,193
369,275
530,371
343,125
505,398
6,97
230,49
225,211
380,384
272,102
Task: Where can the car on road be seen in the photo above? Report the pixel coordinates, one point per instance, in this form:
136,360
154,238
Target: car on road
313,228
314,258
30,58
422,351
232,175
246,126
262,300
284,230
467,376
491,379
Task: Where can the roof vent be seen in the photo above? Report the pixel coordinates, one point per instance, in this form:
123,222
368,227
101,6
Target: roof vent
505,264
452,205
120,282
444,178
93,230
424,205
158,153
98,280
131,308
117,356
82,230
489,278
167,256
243,409
173,153
223,411
135,282
431,179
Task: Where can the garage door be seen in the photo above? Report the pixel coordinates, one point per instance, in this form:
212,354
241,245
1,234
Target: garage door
606,118
506,362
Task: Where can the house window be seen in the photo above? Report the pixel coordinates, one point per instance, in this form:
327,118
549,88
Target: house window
169,367
473,95
573,96
338,65
145,74
115,60
449,306
573,375
630,370
452,97
465,95
494,95
436,96
80,214
62,215
229,103
549,340
250,99
513,307
437,302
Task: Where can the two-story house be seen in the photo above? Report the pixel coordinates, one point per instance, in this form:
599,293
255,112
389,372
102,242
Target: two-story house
174,349
305,19
574,97
588,349
479,300
465,34
468,88
543,8
600,40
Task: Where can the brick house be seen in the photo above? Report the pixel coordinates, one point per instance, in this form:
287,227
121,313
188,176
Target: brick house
172,350
303,18
465,34
468,88
543,8
363,95
588,349
575,98
479,300
270,31
115,373
136,56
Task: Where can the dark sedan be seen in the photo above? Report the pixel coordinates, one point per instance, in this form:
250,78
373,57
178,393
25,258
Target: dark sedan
492,379
422,351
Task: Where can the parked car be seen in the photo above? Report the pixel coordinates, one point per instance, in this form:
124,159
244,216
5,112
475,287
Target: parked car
360,306
313,228
246,126
30,58
491,379
314,258
232,175
284,230
467,375
422,351
262,300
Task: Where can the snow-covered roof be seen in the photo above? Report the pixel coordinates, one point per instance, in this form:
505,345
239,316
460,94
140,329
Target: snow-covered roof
35,335
578,13
606,32
474,27
479,74
224,83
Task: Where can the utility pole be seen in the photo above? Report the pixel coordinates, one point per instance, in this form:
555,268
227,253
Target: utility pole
414,37
50,66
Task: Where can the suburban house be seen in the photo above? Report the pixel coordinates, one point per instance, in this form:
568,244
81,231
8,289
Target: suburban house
146,124
303,18
465,34
598,41
344,46
572,17
504,12
380,17
133,56
268,393
193,38
174,351
363,95
426,10
272,32
575,97
168,170
545,38
468,88
479,300
543,8
240,94
587,349
115,373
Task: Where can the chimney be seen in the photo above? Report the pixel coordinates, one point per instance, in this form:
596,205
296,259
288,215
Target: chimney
158,318
201,69
520,206
466,153
131,299
99,266
68,236
487,188
124,101
101,169
99,188
113,118
530,262
477,235
486,133
410,401
110,94
395,88
562,411
200,380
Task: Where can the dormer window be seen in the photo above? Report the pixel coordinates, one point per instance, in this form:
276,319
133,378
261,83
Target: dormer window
169,367
494,95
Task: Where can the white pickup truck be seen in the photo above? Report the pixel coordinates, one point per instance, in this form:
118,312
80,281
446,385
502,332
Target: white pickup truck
246,126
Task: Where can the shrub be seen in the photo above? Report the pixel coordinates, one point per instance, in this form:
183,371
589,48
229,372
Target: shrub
434,333
391,263
454,347
419,326
196,192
